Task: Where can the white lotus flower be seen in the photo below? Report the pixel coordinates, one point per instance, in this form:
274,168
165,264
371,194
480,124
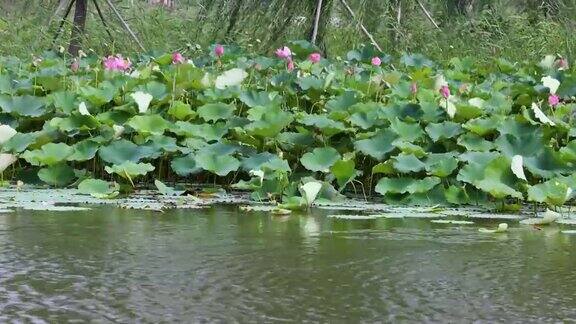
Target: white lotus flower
118,130
6,133
232,77
83,109
550,83
541,116
257,173
6,160
310,191
517,167
143,100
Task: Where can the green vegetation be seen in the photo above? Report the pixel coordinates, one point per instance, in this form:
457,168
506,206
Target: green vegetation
410,130
516,30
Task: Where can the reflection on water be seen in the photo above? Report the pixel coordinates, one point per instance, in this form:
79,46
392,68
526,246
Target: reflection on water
219,264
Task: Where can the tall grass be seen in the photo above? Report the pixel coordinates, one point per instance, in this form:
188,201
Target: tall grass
516,30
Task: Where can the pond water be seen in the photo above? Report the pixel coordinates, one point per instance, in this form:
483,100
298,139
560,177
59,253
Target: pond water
221,264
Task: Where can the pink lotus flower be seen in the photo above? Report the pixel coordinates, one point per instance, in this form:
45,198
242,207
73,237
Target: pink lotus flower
290,65
315,57
562,64
445,91
414,88
219,50
177,58
284,53
553,100
75,66
376,61
116,63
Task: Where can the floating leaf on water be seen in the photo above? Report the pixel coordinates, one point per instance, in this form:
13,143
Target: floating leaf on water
502,227
280,211
258,208
99,188
450,221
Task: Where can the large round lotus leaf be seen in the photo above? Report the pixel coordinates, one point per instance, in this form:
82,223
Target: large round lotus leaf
160,143
320,159
526,145
84,151
99,96
130,170
122,150
482,126
98,188
456,195
58,175
64,101
209,132
181,111
405,185
149,124
184,165
476,164
326,125
546,164
409,132
473,142
441,164
20,142
408,163
267,122
218,164
75,123
498,179
553,192
378,145
29,106
409,148
48,154
265,161
445,130
216,111
260,98
344,171
568,153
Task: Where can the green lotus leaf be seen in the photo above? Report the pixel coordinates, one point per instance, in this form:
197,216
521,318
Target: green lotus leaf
344,171
29,106
166,190
156,89
260,98
552,192
184,165
84,151
476,164
310,82
328,126
408,163
64,101
409,132
546,164
364,120
130,170
526,145
99,188
482,126
377,146
75,123
49,154
473,142
216,111
123,150
181,111
339,105
409,148
498,104
99,96
149,124
320,159
58,175
209,132
445,130
20,142
456,195
266,161
498,180
568,153
216,163
384,168
267,122
405,185
157,144
441,164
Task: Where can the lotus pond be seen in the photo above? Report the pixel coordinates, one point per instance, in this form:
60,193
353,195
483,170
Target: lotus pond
214,262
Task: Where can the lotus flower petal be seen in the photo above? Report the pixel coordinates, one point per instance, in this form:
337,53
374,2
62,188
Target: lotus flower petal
83,109
541,116
550,83
143,100
6,160
6,133
517,167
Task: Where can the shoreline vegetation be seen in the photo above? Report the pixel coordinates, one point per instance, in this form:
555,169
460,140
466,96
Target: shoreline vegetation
293,127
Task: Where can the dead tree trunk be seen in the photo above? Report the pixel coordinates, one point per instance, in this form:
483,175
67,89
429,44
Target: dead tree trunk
79,26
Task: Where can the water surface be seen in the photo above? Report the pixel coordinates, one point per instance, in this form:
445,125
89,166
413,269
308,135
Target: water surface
223,265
